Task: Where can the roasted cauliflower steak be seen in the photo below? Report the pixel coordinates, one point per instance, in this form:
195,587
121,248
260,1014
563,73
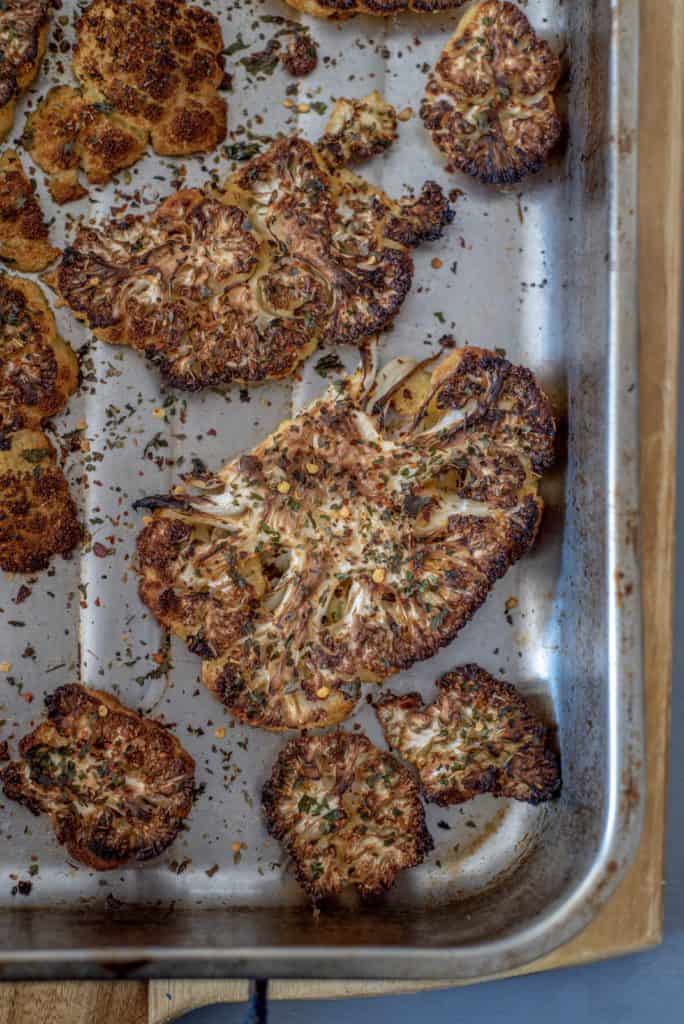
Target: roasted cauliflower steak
38,370
242,284
339,9
347,814
24,240
357,539
488,101
478,736
149,72
23,40
116,786
38,518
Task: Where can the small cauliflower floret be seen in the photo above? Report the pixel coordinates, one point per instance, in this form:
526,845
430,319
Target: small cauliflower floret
149,72
358,129
38,517
38,370
488,102
117,786
23,40
301,54
65,134
244,283
24,239
339,9
347,814
355,540
478,736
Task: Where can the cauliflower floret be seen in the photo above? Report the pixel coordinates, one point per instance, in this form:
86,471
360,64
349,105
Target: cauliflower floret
242,284
37,515
38,370
478,736
488,101
355,540
149,71
346,812
117,786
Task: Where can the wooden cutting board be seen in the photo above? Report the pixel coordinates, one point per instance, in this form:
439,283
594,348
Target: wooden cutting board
632,920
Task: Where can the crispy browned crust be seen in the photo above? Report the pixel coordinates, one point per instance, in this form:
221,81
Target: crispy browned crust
38,370
38,518
23,38
339,9
243,284
117,786
24,238
149,71
478,736
346,813
357,539
489,99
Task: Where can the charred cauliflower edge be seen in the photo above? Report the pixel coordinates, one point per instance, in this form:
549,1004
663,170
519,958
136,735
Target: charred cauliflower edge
243,283
149,72
23,40
488,102
357,539
346,812
117,786
477,736
24,241
340,9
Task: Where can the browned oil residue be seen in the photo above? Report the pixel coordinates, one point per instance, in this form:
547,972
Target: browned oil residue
480,838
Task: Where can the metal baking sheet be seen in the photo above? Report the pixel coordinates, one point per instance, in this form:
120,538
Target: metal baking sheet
546,271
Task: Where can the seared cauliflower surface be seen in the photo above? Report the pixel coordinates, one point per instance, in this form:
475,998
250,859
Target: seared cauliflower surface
24,238
23,39
355,540
384,8
117,786
242,284
149,71
478,736
38,370
38,518
488,102
346,812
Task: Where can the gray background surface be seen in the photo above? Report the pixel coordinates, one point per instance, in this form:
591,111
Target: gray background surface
632,990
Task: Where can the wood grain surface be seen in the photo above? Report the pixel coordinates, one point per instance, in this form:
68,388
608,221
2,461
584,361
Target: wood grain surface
632,919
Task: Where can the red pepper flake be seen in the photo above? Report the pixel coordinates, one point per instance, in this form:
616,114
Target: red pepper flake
28,697
101,551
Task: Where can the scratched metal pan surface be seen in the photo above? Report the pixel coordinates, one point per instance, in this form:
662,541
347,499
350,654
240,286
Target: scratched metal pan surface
545,270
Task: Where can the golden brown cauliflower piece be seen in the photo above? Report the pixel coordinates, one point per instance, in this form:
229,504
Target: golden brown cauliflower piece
488,102
65,133
242,284
117,787
339,9
38,518
358,129
38,370
478,736
149,72
346,813
355,540
23,39
23,232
